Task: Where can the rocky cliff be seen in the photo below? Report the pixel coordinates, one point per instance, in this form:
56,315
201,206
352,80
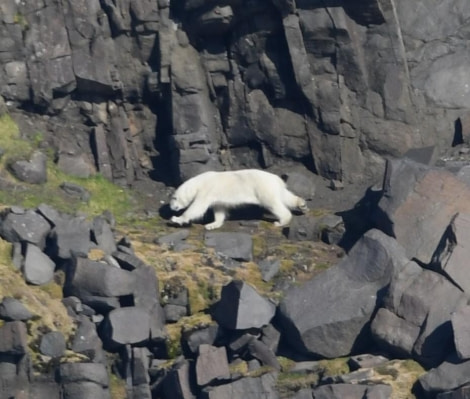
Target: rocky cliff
132,88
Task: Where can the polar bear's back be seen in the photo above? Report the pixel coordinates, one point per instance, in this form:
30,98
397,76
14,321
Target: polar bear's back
235,188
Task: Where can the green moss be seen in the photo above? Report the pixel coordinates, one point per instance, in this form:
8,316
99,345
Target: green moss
53,289
259,246
286,363
292,382
20,19
117,387
334,367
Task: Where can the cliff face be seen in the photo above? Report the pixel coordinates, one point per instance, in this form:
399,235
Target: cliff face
137,86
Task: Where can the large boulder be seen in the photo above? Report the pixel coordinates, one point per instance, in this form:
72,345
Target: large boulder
128,325
85,278
33,170
245,388
12,309
449,375
211,364
415,319
19,225
329,315
69,237
38,268
418,204
241,307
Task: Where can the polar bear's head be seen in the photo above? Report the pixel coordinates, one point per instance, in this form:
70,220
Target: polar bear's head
181,198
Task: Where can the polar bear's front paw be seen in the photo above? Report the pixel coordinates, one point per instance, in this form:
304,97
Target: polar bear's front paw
302,206
178,220
213,225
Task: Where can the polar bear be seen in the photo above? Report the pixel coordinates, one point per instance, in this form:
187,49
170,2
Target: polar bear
224,190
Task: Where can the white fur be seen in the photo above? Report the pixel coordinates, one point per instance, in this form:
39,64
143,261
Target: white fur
224,190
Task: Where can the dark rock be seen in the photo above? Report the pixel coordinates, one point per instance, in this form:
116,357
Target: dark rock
52,344
449,375
157,324
460,326
13,376
84,390
49,213
86,372
421,324
365,361
240,342
174,312
301,184
43,386
73,304
313,325
87,341
140,366
241,307
11,309
128,261
141,391
407,208
101,304
245,388
305,228
207,335
86,278
103,235
353,391
269,268
303,393
33,171
13,338
25,227
17,258
270,337
460,393
264,354
450,257
238,246
178,381
146,293
75,190
211,364
38,268
129,325
394,333
74,165
424,155
71,236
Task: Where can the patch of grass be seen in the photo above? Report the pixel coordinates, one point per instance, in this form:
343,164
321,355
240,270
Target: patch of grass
401,375
175,331
240,367
334,367
104,194
49,312
117,387
259,246
292,382
11,143
53,289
